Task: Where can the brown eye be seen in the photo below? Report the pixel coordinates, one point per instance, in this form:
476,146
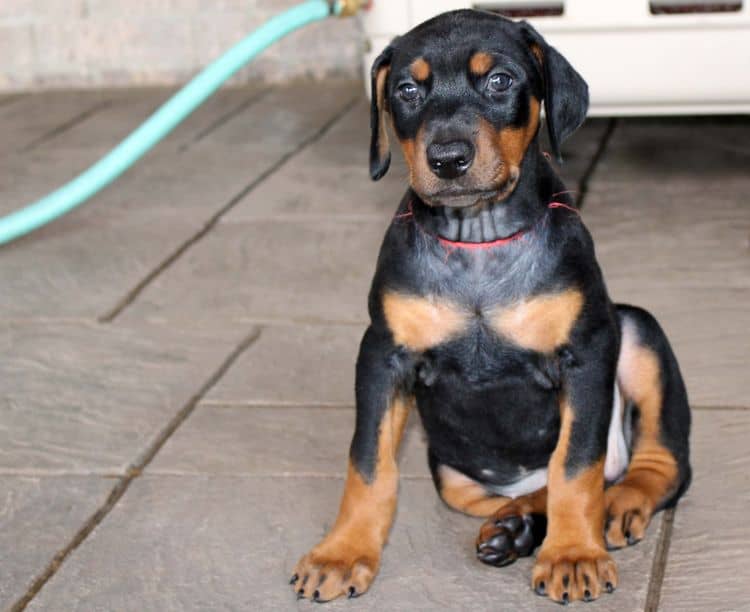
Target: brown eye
408,92
500,81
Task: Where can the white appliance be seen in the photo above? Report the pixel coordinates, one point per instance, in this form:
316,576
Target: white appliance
639,57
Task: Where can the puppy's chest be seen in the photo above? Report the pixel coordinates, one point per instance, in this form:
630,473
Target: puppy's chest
540,323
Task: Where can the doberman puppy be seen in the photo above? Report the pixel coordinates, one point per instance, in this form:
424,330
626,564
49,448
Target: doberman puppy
547,408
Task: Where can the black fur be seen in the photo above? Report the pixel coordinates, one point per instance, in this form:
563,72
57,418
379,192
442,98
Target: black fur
490,408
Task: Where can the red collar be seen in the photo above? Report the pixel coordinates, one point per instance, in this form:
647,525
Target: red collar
480,246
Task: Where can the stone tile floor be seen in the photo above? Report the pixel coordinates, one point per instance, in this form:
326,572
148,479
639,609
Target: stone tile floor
178,355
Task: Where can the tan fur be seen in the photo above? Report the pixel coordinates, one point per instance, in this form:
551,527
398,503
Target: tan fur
499,153
480,63
497,161
538,53
513,142
542,323
379,93
574,545
420,323
349,556
466,495
420,69
652,474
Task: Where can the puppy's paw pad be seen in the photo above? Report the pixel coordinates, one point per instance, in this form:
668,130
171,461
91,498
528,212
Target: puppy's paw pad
502,540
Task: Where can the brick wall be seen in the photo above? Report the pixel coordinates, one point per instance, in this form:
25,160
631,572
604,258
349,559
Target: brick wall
81,43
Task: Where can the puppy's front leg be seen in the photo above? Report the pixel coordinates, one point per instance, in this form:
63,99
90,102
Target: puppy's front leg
573,562
347,559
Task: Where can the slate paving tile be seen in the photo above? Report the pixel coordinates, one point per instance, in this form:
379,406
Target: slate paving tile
38,517
707,567
82,265
702,151
120,113
85,399
688,264
275,440
223,542
317,270
127,109
578,151
25,121
308,187
294,364
86,262
284,117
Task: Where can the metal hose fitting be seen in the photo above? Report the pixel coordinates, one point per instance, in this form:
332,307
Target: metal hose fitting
347,8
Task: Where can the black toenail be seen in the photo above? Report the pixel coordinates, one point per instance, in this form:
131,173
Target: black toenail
316,595
293,579
627,535
610,587
587,595
300,593
565,599
540,588
352,592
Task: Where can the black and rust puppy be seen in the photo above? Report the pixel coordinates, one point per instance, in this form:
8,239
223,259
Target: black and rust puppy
543,402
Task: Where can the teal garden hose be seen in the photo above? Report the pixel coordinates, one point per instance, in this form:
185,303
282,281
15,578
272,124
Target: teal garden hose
167,117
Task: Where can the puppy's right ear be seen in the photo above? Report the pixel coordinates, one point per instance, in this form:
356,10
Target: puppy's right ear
380,153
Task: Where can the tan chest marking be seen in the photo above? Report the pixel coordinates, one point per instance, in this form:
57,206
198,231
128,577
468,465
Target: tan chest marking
420,323
542,323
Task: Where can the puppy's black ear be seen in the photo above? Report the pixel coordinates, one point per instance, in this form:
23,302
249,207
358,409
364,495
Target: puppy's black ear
566,95
380,153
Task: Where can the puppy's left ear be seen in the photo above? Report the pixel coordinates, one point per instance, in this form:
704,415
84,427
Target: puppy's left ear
380,154
566,94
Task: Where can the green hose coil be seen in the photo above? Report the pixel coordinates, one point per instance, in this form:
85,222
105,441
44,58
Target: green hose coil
163,121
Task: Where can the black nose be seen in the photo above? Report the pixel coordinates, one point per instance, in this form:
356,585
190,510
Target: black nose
450,160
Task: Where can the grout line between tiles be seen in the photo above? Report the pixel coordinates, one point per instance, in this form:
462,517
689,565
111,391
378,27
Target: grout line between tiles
658,568
583,183
720,408
65,127
225,118
161,472
133,472
133,294
218,403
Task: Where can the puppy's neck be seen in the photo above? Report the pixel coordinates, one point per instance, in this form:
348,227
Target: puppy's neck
489,221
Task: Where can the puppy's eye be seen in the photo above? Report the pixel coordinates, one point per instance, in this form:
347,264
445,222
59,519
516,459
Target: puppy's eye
408,92
500,81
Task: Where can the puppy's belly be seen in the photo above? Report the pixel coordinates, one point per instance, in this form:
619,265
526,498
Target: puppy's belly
532,481
501,436
506,451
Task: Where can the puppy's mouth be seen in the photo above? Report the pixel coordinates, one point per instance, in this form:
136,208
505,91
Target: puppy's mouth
455,196
460,198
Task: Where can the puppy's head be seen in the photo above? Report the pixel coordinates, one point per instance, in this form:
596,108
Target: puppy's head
463,92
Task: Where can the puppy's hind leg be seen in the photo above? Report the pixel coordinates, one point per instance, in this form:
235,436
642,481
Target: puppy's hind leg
659,469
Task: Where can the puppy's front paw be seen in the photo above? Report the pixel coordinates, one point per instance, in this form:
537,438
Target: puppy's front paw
335,567
566,574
